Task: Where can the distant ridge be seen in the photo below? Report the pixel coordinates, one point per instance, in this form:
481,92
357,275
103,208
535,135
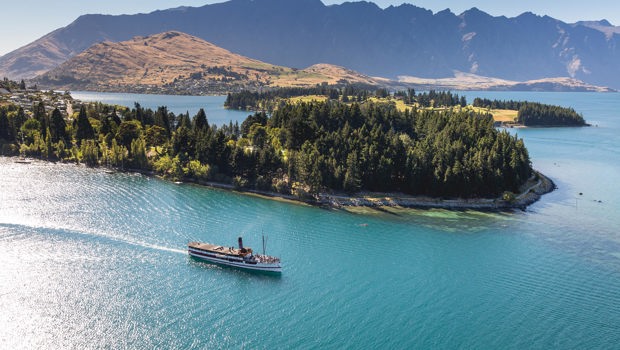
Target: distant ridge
395,41
468,81
603,26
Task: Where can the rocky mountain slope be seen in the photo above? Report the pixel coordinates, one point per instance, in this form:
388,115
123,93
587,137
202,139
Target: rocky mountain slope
402,40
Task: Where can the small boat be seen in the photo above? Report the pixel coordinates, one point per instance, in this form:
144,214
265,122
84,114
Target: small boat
23,160
242,257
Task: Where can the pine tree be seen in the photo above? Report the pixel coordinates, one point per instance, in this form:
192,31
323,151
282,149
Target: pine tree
200,121
5,131
352,179
57,126
40,115
84,130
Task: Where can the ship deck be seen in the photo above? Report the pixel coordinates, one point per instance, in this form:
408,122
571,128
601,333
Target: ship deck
231,251
215,248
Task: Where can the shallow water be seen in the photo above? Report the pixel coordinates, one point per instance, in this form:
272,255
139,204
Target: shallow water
92,260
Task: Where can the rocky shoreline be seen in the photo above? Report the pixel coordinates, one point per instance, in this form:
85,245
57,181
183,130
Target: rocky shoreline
532,192
521,201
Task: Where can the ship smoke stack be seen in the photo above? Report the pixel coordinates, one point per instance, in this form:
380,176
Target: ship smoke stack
240,243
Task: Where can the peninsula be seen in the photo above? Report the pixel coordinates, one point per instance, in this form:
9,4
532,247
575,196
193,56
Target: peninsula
504,113
318,152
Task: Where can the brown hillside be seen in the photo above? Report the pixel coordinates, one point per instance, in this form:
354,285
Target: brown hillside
183,63
35,58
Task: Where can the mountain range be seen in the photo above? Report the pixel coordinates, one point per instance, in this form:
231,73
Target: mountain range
396,41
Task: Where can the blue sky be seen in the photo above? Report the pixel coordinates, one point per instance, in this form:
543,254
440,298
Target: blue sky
27,20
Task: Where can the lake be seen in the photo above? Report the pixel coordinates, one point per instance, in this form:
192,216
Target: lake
97,260
213,105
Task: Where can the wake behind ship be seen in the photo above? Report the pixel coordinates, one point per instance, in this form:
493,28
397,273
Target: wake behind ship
241,257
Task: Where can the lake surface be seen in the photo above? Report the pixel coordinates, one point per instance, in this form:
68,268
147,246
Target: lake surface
96,260
213,105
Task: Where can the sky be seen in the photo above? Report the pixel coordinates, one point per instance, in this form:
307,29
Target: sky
24,21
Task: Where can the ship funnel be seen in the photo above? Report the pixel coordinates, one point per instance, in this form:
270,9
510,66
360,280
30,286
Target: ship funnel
240,243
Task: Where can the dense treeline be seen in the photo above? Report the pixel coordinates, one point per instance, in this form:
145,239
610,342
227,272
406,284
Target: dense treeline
536,114
431,98
302,148
11,85
375,147
249,100
498,104
438,99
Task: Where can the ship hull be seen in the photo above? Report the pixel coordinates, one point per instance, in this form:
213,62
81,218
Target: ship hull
226,260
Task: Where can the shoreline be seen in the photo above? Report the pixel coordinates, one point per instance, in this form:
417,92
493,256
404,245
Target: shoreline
528,196
506,125
531,192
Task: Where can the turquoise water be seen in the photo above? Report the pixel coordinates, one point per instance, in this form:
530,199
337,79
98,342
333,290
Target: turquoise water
96,260
213,105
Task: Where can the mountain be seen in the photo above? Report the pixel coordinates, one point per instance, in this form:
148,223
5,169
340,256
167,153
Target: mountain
603,26
402,40
468,81
176,62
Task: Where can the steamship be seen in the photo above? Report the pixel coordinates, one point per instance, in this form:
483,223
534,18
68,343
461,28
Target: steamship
242,257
